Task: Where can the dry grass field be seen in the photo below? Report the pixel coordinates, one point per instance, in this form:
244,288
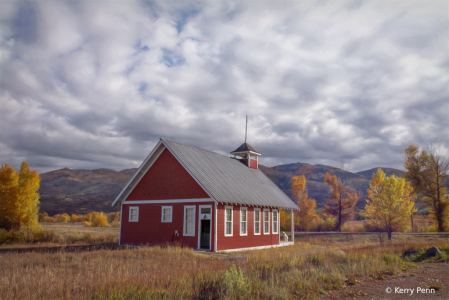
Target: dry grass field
66,234
306,270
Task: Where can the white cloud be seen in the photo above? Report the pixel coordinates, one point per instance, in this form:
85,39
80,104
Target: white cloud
86,85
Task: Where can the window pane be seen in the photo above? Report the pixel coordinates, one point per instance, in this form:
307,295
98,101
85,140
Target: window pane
257,227
189,221
266,227
243,228
228,214
266,216
228,227
243,215
166,216
257,215
275,216
205,210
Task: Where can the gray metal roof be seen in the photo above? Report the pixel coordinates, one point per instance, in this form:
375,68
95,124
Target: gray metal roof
228,180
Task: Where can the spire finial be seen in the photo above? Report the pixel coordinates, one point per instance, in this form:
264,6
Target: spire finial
246,128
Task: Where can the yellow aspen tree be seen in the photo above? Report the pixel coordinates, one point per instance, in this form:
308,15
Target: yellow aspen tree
391,203
19,198
9,190
307,216
27,205
428,173
285,218
342,202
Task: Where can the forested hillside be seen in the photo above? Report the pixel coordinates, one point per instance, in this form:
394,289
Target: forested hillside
81,191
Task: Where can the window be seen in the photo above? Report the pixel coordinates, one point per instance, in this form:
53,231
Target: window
133,213
275,221
166,214
243,216
257,221
228,220
266,221
189,220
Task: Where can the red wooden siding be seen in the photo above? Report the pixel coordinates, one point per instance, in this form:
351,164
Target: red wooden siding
167,179
253,163
149,230
236,241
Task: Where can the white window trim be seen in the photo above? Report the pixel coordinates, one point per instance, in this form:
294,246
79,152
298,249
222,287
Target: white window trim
184,221
263,218
129,217
232,220
272,220
246,212
260,216
171,214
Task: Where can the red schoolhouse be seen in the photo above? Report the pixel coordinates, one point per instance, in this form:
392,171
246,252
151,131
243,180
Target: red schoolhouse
201,199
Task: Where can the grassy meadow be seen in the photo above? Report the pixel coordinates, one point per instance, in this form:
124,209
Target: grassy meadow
54,234
303,271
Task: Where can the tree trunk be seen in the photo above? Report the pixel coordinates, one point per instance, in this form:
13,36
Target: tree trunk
411,217
389,233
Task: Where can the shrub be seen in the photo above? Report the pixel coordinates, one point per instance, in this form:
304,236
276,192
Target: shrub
327,224
42,216
28,235
98,220
114,216
64,218
49,220
235,283
75,218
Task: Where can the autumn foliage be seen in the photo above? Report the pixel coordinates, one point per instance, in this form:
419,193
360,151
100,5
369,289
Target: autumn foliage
427,173
342,202
307,217
391,203
19,199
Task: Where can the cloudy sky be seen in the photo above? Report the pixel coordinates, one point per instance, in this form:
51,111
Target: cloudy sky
95,84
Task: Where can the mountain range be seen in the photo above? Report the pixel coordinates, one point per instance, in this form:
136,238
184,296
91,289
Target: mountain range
81,191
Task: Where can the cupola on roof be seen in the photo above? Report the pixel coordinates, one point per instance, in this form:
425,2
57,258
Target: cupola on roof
245,147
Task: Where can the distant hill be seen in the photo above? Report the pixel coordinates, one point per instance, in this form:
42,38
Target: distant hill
368,174
81,191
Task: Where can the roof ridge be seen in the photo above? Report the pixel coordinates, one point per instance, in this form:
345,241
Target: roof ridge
195,147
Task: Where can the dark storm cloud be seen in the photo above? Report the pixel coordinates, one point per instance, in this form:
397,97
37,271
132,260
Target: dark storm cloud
89,85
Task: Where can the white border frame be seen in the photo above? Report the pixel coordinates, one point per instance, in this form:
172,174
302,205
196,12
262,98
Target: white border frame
184,220
240,221
129,214
232,220
272,221
199,225
260,217
171,214
263,218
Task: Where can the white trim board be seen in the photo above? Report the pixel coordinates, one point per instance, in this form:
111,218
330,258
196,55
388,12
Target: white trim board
259,247
168,201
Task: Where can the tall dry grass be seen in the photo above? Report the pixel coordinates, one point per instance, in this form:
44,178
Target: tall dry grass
300,271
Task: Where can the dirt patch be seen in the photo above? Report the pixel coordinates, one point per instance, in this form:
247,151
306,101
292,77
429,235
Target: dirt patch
426,276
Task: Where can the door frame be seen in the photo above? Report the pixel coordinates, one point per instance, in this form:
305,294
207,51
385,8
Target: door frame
199,225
